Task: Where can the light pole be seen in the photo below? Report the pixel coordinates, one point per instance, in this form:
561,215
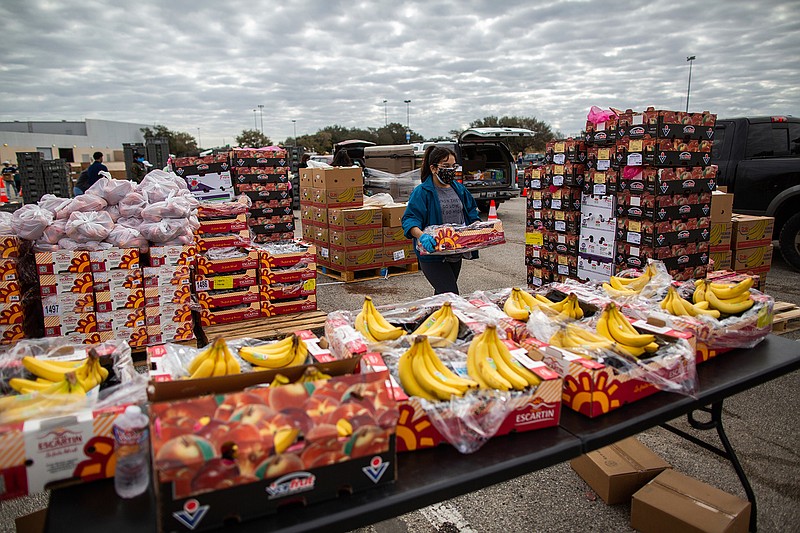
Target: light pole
294,125
261,112
385,114
408,113
255,120
690,59
199,144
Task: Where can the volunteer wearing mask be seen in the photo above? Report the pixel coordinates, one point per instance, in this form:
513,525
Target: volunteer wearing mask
439,199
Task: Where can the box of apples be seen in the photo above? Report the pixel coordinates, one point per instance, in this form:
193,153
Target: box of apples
246,453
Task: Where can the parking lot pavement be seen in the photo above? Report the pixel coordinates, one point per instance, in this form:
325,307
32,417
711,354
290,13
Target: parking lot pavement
762,424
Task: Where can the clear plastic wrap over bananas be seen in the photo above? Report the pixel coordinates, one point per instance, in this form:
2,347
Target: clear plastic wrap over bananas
51,377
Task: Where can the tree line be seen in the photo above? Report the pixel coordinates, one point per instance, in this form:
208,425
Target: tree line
322,142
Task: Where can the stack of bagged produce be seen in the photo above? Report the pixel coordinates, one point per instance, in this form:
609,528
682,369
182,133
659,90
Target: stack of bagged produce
664,190
262,174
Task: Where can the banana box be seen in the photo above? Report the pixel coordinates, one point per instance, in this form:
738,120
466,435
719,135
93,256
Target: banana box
285,307
594,389
319,216
8,270
116,280
120,298
722,260
355,238
395,236
172,255
228,298
10,334
224,225
210,317
313,469
347,259
288,291
38,452
61,261
306,177
398,254
54,284
720,237
757,258
337,178
308,231
9,246
225,240
69,303
306,213
10,292
539,410
751,231
355,218
306,194
392,215
248,278
246,260
11,313
115,259
321,234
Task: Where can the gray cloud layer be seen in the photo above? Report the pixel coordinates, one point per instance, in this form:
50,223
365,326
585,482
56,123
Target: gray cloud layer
199,64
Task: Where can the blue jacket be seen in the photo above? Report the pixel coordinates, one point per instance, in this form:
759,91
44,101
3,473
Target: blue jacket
424,210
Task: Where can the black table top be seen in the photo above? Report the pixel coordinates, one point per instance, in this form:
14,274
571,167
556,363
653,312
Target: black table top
429,476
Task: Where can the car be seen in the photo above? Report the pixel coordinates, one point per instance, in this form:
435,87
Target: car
322,158
528,160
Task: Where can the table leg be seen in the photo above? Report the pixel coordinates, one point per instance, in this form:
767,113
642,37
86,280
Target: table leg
727,452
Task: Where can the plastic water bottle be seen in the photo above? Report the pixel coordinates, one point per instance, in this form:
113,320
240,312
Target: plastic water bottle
132,447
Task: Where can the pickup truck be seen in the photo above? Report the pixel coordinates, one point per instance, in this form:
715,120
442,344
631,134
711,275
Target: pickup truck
759,162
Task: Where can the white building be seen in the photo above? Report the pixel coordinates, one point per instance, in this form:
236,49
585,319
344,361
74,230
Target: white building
73,141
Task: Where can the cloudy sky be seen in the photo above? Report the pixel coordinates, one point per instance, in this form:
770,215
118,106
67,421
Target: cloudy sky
190,64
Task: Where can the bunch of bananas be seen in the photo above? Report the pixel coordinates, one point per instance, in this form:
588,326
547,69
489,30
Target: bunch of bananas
215,360
442,323
613,325
423,374
569,307
51,376
490,363
58,396
573,336
727,298
373,326
674,304
289,351
520,304
630,286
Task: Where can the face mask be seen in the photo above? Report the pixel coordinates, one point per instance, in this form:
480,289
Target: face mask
447,175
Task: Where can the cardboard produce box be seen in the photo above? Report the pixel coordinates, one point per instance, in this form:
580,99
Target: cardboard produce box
721,207
392,215
615,472
722,260
675,502
720,238
756,259
751,231
355,238
337,178
354,218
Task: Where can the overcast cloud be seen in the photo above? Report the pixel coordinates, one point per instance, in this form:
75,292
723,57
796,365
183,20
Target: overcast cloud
190,64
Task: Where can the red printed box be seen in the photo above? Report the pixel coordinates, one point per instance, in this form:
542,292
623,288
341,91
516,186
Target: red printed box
8,270
247,278
115,259
285,307
68,303
231,240
288,291
172,255
10,334
301,255
166,276
11,313
215,300
226,225
9,247
210,317
56,326
247,261
74,262
10,292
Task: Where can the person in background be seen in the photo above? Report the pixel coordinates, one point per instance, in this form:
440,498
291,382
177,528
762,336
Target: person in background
342,159
9,171
90,176
138,169
439,199
304,161
519,159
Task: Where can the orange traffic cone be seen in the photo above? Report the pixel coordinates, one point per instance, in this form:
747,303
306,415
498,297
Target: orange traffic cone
524,193
492,211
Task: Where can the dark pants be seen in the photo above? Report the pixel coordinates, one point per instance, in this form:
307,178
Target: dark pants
443,276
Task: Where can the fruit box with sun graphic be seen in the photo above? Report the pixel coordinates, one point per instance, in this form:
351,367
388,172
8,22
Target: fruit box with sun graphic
537,409
247,453
452,238
594,389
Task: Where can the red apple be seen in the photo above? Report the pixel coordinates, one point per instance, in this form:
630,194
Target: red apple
279,465
286,396
233,401
367,440
321,432
165,429
318,407
215,431
348,411
214,474
253,414
184,450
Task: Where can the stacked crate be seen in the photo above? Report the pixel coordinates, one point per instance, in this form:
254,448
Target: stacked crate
398,250
11,315
751,246
208,177
39,177
119,295
664,190
598,222
288,278
168,294
66,287
263,175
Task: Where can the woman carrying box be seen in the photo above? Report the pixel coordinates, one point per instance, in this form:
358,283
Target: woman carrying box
439,199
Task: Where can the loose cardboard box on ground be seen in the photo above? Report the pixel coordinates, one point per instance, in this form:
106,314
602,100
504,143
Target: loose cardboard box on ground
721,206
750,231
617,471
674,502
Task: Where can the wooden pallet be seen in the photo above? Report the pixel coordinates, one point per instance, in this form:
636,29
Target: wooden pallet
264,328
349,276
787,318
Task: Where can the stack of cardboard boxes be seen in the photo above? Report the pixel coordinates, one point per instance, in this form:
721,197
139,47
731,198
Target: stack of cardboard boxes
664,190
751,246
208,177
398,250
721,227
168,294
288,277
10,293
596,247
119,295
263,175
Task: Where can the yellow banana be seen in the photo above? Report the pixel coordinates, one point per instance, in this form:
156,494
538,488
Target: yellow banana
430,321
529,301
486,369
275,355
472,364
499,349
233,365
725,306
24,386
220,365
451,377
53,372
728,291
622,331
699,291
405,372
706,311
514,308
374,326
208,351
429,379
204,370
301,353
503,368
